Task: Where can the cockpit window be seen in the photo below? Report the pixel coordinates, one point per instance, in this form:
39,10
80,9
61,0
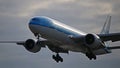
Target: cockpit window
35,19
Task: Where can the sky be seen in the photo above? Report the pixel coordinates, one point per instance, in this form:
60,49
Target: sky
86,15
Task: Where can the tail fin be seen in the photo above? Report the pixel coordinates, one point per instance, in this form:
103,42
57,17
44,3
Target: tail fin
106,27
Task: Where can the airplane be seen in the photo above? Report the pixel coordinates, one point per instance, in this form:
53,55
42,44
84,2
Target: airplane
61,38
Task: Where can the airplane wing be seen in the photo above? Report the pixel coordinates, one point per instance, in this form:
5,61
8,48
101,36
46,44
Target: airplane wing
17,42
110,37
53,46
23,42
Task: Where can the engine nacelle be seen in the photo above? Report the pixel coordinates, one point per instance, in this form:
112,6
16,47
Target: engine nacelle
93,41
32,46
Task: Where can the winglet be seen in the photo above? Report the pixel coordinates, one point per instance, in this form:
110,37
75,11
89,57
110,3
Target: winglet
106,27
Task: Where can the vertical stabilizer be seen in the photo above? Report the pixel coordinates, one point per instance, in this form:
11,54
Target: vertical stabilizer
106,27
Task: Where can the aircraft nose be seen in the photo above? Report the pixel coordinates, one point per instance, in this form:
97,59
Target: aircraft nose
33,21
41,21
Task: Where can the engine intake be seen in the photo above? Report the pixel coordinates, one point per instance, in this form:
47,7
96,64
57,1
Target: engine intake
89,38
32,46
93,41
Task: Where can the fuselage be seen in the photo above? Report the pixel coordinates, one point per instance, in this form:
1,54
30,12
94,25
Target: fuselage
59,34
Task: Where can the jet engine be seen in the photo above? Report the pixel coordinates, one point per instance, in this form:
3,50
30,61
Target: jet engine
32,46
93,41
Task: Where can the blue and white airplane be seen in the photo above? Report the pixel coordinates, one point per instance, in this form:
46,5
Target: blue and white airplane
60,38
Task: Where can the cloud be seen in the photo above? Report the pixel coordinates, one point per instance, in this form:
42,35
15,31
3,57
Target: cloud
25,8
86,15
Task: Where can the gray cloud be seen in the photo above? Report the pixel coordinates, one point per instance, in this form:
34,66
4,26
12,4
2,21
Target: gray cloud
86,15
